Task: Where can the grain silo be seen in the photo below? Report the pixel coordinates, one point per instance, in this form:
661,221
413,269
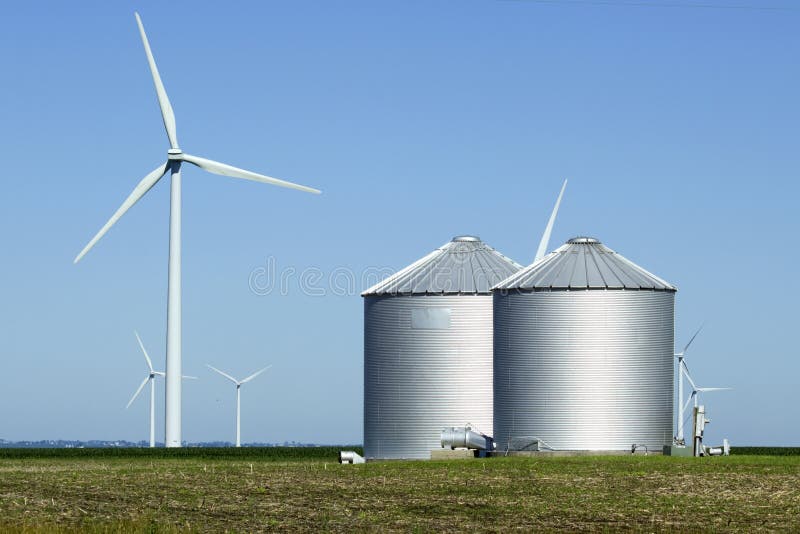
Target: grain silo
583,343
428,349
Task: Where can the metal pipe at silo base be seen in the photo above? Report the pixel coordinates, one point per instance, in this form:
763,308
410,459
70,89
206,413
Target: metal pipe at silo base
350,457
466,438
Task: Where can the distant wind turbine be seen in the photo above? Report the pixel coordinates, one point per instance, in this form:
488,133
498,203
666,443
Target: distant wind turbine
151,377
696,390
680,355
683,370
238,396
175,156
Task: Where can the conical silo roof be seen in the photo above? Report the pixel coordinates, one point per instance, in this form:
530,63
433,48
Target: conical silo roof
465,265
584,263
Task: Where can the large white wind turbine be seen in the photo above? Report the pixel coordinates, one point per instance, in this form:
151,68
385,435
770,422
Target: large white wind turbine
175,156
545,242
238,396
151,377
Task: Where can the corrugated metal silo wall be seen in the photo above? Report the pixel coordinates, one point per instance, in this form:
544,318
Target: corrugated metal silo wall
584,370
422,374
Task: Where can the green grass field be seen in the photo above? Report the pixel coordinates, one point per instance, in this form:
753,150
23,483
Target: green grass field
288,490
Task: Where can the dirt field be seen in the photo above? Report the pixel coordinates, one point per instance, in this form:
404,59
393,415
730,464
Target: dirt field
742,493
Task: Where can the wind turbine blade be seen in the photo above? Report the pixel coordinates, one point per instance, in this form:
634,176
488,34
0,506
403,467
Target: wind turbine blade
235,172
249,378
703,390
226,375
189,377
545,242
144,186
163,100
690,341
688,376
159,373
144,351
144,382
689,400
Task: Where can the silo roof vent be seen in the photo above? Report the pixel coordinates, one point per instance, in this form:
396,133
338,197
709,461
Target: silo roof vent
583,240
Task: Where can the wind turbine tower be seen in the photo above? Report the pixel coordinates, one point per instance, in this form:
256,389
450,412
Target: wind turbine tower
175,156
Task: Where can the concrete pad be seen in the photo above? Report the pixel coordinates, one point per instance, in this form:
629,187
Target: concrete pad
451,454
554,454
674,450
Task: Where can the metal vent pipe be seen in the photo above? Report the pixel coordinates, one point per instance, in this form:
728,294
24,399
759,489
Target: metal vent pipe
464,437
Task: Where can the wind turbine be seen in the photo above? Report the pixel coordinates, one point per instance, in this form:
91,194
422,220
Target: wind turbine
697,390
175,156
680,355
238,396
683,370
543,244
151,377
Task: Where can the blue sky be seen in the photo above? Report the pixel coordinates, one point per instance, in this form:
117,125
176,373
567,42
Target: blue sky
677,127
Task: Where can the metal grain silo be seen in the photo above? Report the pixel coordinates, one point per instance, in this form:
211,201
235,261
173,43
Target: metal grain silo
583,343
428,349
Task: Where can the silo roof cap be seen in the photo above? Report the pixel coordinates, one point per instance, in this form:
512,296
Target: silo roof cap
464,265
584,263
466,239
583,240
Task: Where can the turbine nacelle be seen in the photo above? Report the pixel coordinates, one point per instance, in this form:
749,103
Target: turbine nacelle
174,154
